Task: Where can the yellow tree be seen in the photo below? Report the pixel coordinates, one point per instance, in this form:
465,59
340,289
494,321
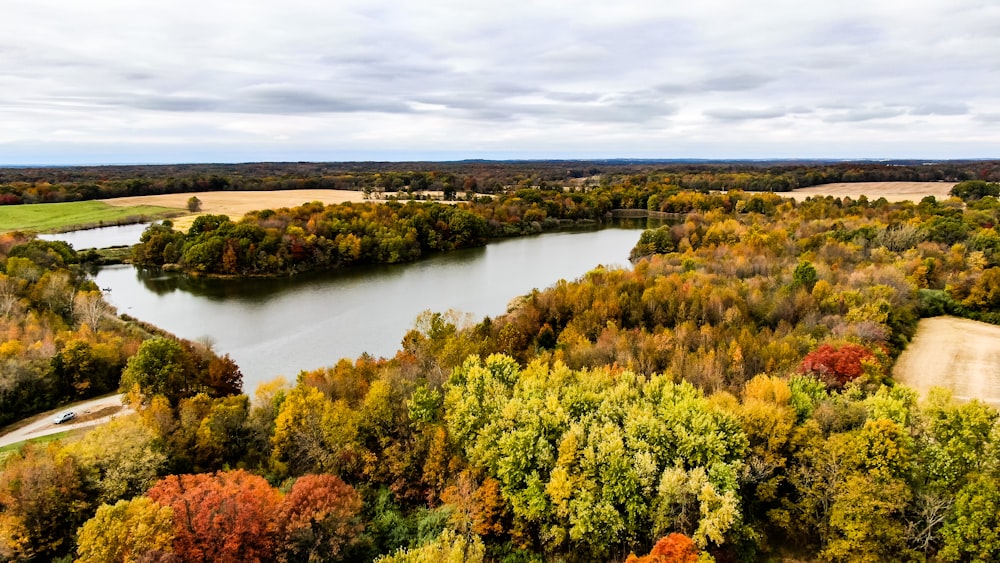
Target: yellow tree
125,531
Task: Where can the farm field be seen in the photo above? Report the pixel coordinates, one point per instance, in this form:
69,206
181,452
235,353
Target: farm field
959,354
51,217
891,191
236,204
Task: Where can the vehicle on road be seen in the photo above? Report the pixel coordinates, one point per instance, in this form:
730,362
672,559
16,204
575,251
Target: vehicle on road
64,417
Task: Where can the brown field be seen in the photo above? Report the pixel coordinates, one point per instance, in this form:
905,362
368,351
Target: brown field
237,204
891,191
957,354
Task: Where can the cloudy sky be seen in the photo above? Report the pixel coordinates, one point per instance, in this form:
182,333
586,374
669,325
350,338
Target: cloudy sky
135,81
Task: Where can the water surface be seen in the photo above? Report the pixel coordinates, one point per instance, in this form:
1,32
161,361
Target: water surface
282,326
101,237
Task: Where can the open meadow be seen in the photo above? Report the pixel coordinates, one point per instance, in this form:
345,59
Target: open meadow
959,354
52,217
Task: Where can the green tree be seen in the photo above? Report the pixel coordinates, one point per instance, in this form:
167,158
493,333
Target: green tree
805,275
972,532
122,459
449,547
160,367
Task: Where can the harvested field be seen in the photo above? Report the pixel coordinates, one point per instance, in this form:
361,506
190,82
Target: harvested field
957,354
237,204
891,191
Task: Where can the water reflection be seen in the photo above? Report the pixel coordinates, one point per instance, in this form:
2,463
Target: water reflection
282,326
267,289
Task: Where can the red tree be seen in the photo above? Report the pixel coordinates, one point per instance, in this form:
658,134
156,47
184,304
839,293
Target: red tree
225,516
836,366
319,517
673,548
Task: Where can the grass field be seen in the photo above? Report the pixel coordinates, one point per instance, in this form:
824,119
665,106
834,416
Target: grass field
54,217
10,449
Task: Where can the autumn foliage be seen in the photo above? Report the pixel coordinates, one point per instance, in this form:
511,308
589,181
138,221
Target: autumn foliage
673,548
224,516
235,516
836,366
321,515
685,395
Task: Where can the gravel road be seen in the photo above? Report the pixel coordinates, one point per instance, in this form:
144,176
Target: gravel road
88,413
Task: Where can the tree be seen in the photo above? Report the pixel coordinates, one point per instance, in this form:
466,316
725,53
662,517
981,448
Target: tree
449,547
985,293
125,532
10,288
90,307
319,519
672,548
314,435
866,521
159,367
971,190
227,516
194,204
42,501
805,275
223,376
121,458
972,532
836,366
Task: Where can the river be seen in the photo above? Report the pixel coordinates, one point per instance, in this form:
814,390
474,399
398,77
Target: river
275,327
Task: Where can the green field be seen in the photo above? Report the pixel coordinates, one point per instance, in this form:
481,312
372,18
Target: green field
11,449
55,217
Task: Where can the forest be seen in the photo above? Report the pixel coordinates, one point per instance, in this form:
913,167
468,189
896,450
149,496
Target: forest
48,185
727,398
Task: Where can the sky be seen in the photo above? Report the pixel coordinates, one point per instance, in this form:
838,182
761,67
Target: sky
134,81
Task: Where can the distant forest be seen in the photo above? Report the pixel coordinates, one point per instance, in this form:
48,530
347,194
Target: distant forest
46,185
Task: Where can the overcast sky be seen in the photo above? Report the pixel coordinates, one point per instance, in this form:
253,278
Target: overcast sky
134,81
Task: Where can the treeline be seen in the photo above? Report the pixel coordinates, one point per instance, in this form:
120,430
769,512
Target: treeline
314,236
726,399
455,179
61,341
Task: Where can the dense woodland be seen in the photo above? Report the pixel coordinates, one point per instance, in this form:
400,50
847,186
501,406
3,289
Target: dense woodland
45,185
62,341
727,398
314,236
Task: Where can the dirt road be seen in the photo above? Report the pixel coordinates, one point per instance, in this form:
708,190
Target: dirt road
88,413
958,354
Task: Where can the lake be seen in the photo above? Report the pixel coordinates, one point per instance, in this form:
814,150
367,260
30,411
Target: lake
274,327
101,237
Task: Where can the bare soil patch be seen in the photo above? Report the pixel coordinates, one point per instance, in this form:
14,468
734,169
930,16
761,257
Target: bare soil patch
891,191
237,204
958,354
100,413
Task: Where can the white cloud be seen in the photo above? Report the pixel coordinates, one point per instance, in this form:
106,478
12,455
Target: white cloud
128,80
